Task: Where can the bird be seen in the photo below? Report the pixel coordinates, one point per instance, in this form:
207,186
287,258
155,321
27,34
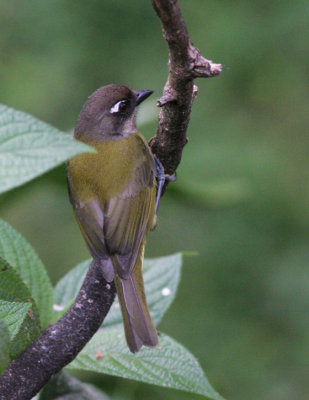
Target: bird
115,195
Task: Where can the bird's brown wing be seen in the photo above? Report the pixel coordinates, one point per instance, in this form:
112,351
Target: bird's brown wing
89,216
118,226
128,216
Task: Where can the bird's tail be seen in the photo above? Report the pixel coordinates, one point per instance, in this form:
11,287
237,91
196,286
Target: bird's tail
139,328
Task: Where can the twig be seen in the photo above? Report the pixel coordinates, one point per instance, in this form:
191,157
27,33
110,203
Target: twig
185,64
60,343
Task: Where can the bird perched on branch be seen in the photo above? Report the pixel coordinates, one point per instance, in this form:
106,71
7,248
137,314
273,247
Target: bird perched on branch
114,196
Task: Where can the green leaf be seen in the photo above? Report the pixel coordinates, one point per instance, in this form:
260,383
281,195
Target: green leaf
68,287
4,346
30,147
13,290
17,251
161,276
169,364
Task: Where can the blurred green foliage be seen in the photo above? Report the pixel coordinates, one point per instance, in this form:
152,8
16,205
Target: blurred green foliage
242,195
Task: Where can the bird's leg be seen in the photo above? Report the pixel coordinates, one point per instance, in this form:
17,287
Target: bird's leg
160,175
161,178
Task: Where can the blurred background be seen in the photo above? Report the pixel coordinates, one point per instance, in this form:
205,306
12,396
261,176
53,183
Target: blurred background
242,195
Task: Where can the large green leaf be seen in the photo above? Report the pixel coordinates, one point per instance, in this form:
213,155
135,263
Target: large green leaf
17,251
4,346
169,364
29,147
13,290
68,287
161,276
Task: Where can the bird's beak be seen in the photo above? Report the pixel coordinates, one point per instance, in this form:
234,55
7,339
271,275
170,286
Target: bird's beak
142,95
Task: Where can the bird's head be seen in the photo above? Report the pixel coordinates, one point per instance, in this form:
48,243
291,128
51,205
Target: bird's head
109,113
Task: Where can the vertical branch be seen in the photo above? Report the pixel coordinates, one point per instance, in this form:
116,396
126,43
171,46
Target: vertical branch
185,64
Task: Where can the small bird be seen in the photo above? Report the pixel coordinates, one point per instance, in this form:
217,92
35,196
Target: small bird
114,196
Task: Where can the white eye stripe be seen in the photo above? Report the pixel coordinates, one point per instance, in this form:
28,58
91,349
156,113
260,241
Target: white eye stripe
115,108
121,106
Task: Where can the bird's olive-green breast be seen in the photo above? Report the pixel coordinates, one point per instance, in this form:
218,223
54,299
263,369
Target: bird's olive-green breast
106,173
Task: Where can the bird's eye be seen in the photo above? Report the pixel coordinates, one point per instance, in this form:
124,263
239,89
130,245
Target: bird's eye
120,107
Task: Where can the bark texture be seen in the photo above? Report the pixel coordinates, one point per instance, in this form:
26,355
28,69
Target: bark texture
185,64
